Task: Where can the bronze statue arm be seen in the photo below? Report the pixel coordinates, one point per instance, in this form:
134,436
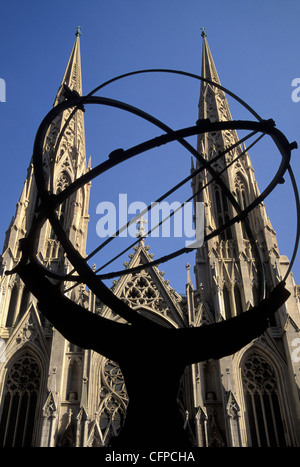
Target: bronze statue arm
218,340
75,323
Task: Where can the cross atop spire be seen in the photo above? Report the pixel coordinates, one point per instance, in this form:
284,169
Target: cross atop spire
141,231
203,33
78,31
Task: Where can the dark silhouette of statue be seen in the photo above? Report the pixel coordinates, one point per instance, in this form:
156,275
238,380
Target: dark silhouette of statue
151,357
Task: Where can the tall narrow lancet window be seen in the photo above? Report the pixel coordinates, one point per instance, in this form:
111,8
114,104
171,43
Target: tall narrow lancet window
240,187
227,306
222,212
24,302
18,413
238,300
12,305
262,400
62,182
255,294
74,380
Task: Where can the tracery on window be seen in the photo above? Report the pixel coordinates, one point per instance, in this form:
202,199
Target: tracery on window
262,402
20,399
62,182
140,290
113,398
238,300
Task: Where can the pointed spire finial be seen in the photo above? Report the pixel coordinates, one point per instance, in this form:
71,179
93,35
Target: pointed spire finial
78,31
203,33
188,274
141,231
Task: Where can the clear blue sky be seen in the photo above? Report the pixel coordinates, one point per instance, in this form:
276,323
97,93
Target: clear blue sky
256,48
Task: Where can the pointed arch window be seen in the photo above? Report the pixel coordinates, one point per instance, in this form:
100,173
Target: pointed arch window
262,403
113,400
13,303
74,379
19,302
19,403
227,306
255,294
24,302
242,199
238,300
222,212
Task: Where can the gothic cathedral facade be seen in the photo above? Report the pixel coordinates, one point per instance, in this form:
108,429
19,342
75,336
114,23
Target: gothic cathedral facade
53,393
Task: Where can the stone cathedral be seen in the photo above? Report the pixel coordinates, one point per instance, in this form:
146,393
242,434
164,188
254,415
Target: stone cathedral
54,394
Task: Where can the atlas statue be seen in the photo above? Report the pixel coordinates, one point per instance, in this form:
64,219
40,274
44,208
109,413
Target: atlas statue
161,353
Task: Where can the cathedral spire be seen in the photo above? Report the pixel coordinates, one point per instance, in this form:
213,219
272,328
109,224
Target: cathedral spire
213,105
213,102
72,76
208,70
72,141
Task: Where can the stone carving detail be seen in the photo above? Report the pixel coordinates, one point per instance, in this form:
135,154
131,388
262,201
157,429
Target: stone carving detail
49,408
232,407
62,182
28,332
